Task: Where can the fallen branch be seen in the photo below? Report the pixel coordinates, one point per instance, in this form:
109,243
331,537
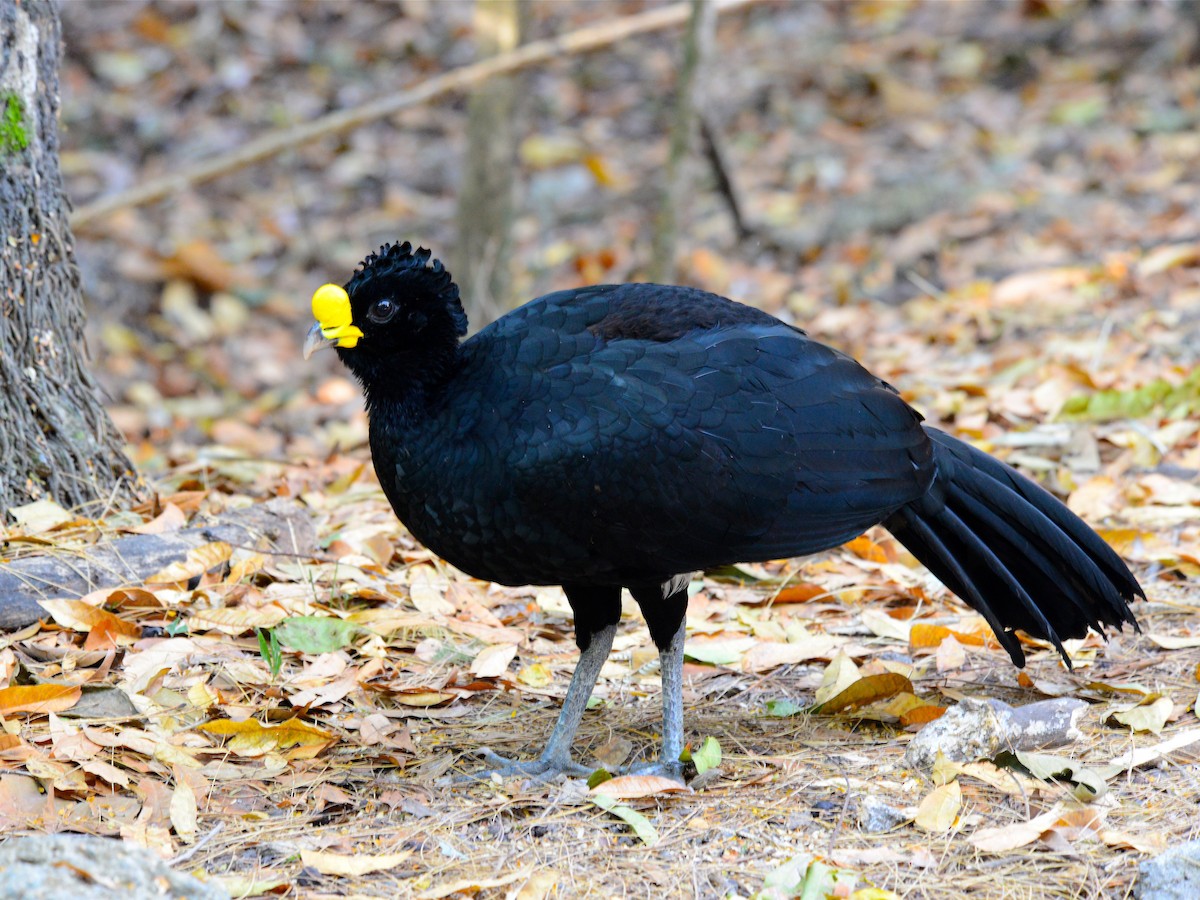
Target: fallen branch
283,526
581,41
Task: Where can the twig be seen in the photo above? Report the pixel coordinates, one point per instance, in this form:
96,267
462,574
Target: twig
196,847
581,41
714,149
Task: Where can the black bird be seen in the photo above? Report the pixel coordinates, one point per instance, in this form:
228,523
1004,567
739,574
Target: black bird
630,435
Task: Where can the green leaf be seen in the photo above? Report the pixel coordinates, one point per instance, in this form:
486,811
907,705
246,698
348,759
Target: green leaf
1089,783
315,634
707,755
268,649
640,824
783,709
598,777
718,653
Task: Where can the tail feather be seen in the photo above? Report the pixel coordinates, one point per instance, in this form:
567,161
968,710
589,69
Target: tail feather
1011,550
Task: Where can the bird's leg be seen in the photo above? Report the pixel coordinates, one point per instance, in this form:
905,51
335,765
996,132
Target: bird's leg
597,611
665,607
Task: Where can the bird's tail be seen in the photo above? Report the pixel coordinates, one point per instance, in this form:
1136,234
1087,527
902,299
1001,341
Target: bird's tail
1012,551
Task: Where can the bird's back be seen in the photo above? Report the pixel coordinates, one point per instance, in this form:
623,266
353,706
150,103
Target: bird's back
633,432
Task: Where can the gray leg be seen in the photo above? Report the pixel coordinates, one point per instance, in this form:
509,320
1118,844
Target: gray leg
556,757
670,661
664,607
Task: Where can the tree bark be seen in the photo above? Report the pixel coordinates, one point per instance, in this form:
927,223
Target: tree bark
486,201
56,441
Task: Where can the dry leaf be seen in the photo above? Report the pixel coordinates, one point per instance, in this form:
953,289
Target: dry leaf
630,787
866,690
198,561
238,619
492,662
172,518
252,738
1018,834
38,698
938,811
355,864
80,616
1149,715
183,812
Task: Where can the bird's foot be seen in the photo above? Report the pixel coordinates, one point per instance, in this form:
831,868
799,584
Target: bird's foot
664,768
544,768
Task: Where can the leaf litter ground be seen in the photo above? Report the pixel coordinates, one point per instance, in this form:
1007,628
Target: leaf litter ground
290,725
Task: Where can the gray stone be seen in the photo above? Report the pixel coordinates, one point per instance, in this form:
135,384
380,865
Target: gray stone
1173,875
876,817
980,729
79,867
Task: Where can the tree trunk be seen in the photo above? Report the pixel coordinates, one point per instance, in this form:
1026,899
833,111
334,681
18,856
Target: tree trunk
486,198
56,441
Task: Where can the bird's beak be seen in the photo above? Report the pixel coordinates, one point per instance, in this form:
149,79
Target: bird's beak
315,340
335,321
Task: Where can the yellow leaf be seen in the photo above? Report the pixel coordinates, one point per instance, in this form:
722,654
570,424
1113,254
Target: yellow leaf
867,690
252,738
198,561
839,675
356,864
1149,715
939,810
238,620
536,675
39,698
80,616
39,516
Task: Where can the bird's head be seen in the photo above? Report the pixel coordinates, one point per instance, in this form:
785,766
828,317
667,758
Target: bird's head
399,314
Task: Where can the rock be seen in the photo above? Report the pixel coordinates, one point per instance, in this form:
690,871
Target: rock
1173,875
876,817
51,867
979,729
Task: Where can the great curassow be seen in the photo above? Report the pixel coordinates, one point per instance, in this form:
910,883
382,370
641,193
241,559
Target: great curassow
628,436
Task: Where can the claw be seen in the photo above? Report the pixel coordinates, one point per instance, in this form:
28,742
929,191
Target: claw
544,768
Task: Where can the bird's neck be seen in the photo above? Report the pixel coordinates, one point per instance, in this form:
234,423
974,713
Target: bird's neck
403,388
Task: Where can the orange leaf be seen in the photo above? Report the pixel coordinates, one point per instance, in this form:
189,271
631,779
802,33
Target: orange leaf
868,690
800,593
39,698
921,715
925,635
865,548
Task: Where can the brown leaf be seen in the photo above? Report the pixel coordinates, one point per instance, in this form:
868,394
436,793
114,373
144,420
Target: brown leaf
630,787
866,690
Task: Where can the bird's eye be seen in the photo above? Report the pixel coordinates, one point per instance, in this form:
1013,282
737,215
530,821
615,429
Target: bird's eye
382,310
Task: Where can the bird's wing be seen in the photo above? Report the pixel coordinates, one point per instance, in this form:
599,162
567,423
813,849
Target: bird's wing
647,457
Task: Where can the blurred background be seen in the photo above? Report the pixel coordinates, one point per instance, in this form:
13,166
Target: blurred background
945,190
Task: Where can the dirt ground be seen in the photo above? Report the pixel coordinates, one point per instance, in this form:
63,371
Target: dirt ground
996,207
